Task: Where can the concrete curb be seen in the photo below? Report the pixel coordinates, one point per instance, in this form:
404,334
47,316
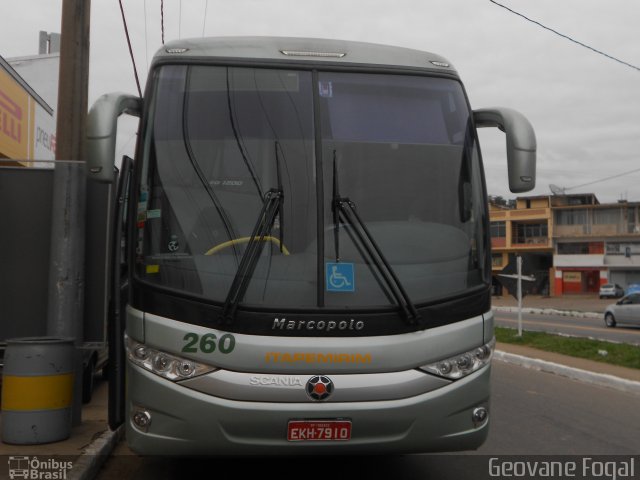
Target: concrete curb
86,467
585,376
550,311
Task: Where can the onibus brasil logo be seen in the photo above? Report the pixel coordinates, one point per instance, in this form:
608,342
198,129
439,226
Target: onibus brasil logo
35,469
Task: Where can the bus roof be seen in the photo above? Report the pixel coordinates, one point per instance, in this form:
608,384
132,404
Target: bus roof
315,50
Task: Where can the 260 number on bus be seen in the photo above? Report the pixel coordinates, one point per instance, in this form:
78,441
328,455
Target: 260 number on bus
208,343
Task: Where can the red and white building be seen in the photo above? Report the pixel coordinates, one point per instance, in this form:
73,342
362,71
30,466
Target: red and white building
578,242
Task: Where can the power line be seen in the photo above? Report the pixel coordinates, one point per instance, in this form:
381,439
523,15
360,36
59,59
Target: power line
162,19
126,32
604,179
126,144
146,37
566,36
204,21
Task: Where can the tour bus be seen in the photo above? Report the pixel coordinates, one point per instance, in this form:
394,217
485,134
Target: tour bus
301,254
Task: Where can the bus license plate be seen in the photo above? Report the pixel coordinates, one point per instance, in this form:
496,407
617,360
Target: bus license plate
318,431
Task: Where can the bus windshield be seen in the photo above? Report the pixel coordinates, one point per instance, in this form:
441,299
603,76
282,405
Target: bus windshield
298,155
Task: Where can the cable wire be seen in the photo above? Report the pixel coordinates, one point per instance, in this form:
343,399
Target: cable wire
204,21
162,19
239,142
126,32
180,21
610,57
146,37
604,179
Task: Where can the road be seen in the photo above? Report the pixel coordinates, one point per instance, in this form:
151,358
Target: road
533,413
575,326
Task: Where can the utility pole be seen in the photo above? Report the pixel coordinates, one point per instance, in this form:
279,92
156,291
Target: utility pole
66,271
519,260
513,281
73,89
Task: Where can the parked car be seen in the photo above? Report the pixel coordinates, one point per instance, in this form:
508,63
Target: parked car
611,290
625,310
632,288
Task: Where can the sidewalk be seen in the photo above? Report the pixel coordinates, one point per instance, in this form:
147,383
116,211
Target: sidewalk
569,303
89,444
602,368
92,442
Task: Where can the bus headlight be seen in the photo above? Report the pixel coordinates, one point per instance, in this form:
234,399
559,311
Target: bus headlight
463,364
166,365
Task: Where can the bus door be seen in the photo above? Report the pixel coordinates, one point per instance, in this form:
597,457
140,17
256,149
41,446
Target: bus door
119,286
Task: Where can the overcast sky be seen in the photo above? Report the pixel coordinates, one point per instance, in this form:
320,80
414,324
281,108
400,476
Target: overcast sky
584,107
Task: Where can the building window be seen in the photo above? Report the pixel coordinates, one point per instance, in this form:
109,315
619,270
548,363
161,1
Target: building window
531,233
571,217
623,248
496,260
609,216
584,248
633,223
573,248
498,229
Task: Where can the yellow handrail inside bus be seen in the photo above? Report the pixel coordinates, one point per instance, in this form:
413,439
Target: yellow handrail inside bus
237,241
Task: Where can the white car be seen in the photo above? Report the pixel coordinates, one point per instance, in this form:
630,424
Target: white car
625,310
612,290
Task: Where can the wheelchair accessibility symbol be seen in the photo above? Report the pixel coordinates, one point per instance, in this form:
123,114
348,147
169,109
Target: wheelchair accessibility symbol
340,277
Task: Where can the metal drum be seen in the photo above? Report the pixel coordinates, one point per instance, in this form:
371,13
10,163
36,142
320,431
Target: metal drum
37,390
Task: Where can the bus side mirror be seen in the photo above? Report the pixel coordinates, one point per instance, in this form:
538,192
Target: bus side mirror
102,125
521,144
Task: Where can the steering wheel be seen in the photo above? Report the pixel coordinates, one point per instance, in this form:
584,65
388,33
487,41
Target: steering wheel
241,240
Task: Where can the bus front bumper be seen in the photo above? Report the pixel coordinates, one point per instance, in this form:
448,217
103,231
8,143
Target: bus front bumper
184,422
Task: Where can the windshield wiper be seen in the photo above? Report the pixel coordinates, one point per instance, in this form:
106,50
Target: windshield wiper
344,208
272,207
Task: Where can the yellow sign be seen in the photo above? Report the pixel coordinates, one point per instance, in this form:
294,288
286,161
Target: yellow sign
153,268
308,357
15,116
572,277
